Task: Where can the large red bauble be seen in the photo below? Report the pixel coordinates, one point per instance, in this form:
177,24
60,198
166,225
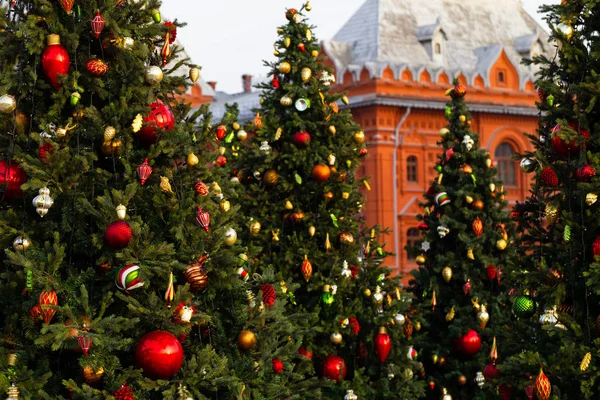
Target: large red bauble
334,367
118,234
468,344
571,148
11,178
301,139
159,354
55,60
596,247
321,172
382,344
160,117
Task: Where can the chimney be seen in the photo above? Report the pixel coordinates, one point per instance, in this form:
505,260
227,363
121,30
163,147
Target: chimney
247,83
213,84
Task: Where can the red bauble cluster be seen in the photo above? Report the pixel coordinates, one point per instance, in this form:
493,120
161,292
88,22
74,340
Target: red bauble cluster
460,91
124,393
55,60
277,366
11,178
334,368
159,354
353,322
468,344
269,296
585,173
221,161
572,148
45,149
302,139
118,234
160,117
549,177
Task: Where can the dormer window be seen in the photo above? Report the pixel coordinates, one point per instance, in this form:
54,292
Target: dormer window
432,37
437,49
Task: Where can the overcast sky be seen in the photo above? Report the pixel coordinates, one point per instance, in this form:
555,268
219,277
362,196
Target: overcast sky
229,38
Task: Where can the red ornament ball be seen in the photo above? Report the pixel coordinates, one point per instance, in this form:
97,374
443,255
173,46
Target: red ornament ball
305,352
159,354
334,368
585,173
277,366
490,372
468,344
118,234
289,14
301,139
221,161
572,148
160,117
549,177
55,60
460,91
221,132
124,393
491,272
11,178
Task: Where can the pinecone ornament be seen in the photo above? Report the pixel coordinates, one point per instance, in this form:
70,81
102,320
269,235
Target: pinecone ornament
549,177
585,173
269,296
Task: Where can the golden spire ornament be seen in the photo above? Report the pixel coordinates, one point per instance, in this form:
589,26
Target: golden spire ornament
433,301
13,392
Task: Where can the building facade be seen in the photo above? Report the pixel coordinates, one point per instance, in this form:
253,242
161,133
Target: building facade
396,58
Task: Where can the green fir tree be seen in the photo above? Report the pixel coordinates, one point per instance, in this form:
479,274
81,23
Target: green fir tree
303,198
459,291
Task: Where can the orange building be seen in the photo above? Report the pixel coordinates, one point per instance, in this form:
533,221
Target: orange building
396,58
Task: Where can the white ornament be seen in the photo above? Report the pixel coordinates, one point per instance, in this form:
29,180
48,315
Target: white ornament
399,319
346,273
121,211
350,395
468,142
327,78
331,159
480,379
443,230
264,147
42,202
333,289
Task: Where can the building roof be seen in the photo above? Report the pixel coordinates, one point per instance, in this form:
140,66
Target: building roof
393,32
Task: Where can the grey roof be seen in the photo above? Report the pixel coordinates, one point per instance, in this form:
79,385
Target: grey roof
392,31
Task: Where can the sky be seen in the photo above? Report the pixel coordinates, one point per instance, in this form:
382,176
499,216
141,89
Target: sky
229,38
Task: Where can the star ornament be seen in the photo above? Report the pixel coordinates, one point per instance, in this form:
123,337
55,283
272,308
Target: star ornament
425,246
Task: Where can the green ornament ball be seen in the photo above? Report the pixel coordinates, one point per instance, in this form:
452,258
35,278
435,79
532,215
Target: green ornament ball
524,306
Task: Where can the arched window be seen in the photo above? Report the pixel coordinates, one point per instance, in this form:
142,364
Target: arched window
411,169
412,237
507,167
438,48
501,77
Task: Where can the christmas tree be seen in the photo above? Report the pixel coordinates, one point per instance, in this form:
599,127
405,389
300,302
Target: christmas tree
122,276
555,340
459,299
302,197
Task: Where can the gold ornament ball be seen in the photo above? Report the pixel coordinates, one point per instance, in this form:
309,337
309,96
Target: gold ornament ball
285,67
591,198
242,135
288,205
336,338
21,243
444,132
420,259
255,228
461,380
478,205
332,129
286,101
271,177
447,274
112,148
246,340
194,74
345,195
311,231
565,29
236,126
359,137
501,244
314,53
8,104
367,292
462,118
225,206
346,238
230,237
154,75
